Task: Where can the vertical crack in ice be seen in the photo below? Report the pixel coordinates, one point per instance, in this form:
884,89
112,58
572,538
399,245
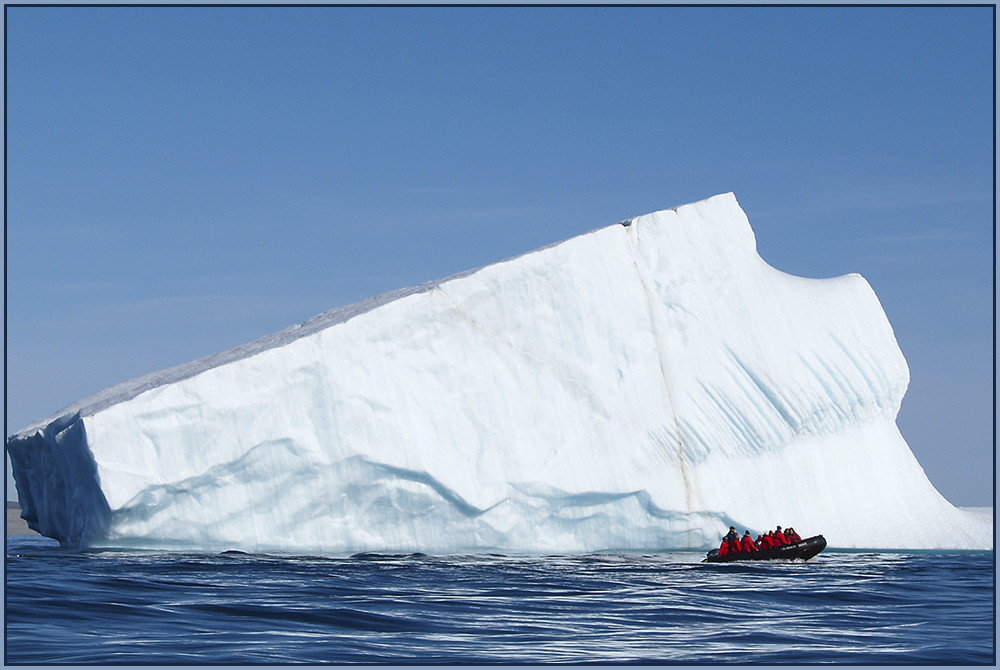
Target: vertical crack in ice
681,456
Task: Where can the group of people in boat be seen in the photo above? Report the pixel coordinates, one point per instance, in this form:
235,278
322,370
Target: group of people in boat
733,543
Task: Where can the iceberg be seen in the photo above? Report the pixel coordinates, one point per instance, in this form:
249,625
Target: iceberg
640,387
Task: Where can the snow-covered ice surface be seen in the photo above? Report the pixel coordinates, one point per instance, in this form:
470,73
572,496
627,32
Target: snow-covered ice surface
640,387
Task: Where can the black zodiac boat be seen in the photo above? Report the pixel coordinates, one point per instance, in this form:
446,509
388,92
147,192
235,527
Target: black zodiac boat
804,549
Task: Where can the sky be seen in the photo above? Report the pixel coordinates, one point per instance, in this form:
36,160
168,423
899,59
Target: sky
182,180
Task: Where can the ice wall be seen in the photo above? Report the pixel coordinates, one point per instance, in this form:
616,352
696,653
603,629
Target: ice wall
639,387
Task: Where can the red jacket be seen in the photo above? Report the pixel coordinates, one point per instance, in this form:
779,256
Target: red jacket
747,544
723,548
780,538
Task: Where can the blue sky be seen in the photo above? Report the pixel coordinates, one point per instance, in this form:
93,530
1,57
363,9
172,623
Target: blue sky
184,180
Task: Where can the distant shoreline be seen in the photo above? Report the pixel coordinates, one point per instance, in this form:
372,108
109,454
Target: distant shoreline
15,524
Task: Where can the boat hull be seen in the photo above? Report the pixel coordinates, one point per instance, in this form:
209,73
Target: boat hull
804,550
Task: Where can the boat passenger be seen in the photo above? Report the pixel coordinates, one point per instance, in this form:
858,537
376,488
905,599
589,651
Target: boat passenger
767,541
792,536
747,543
731,535
779,537
723,548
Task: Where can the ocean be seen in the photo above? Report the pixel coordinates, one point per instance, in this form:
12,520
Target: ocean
65,607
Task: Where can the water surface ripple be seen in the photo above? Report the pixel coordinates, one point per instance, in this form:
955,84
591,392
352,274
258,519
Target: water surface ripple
150,607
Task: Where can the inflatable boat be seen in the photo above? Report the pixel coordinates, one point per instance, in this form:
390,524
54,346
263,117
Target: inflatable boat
803,549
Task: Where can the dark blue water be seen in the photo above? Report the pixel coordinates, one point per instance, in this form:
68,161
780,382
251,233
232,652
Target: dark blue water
139,607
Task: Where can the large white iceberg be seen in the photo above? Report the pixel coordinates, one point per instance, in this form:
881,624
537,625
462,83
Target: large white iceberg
640,387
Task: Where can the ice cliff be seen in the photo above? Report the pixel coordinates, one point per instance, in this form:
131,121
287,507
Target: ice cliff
639,387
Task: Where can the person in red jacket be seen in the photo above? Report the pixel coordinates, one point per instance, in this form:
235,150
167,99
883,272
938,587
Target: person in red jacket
792,536
747,544
730,543
767,540
779,537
